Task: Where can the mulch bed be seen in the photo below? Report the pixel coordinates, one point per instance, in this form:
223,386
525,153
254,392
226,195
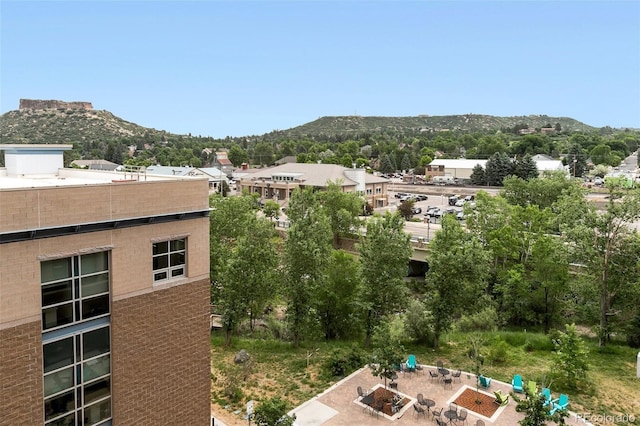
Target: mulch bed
467,399
383,397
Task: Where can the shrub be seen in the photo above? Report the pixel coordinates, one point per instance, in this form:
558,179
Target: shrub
416,322
272,412
499,352
341,364
485,320
633,332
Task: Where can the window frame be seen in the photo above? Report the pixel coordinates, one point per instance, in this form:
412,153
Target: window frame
171,271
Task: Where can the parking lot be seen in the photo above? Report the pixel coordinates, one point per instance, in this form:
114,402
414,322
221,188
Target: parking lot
428,224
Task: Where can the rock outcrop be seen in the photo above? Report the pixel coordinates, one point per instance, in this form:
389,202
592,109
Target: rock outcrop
53,104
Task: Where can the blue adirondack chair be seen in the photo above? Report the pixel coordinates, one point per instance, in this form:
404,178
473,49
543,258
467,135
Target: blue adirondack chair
485,382
546,394
517,383
559,403
411,363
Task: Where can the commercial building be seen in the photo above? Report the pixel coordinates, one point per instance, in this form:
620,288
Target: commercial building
104,294
277,183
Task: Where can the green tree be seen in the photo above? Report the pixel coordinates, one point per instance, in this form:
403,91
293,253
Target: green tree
525,168
248,278
343,209
535,411
335,307
497,168
458,270
263,154
307,251
230,219
272,412
388,353
478,176
237,155
271,209
601,154
384,256
571,357
606,245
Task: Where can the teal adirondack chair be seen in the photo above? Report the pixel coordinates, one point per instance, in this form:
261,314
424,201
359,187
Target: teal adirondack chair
546,394
517,383
485,382
559,403
411,363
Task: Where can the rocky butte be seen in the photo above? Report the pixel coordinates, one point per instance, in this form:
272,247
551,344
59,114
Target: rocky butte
53,104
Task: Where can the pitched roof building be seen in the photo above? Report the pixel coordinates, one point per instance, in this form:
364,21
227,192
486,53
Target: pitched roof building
278,182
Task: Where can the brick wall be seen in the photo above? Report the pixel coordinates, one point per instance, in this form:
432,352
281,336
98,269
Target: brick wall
21,375
161,357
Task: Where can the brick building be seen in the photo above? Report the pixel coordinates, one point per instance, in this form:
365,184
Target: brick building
104,294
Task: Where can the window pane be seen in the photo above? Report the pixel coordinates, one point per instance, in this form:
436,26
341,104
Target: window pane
56,316
177,258
56,293
64,421
97,412
178,244
160,276
97,390
95,306
58,405
58,381
95,343
95,284
177,272
53,270
162,247
58,354
96,262
160,262
96,367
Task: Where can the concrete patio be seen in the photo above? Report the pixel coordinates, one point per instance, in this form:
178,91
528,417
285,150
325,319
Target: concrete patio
339,406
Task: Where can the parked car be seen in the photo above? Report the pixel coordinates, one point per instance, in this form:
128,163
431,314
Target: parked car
449,211
433,212
421,197
460,203
400,194
453,200
460,215
417,210
469,198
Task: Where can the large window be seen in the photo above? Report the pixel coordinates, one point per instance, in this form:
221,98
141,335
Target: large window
169,259
74,289
76,340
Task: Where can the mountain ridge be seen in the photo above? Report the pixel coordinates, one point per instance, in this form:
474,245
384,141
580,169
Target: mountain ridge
69,125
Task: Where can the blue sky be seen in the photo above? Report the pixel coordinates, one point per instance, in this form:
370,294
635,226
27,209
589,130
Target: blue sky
239,68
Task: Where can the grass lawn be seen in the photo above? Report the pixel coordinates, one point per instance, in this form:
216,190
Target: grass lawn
296,375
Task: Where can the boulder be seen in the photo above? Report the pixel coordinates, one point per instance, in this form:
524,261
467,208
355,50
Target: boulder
241,357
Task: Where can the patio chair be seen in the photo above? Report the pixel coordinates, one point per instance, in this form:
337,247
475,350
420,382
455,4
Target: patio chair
479,423
456,374
462,415
516,383
485,382
447,381
433,375
441,423
439,364
362,393
437,414
546,394
559,403
418,410
500,398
